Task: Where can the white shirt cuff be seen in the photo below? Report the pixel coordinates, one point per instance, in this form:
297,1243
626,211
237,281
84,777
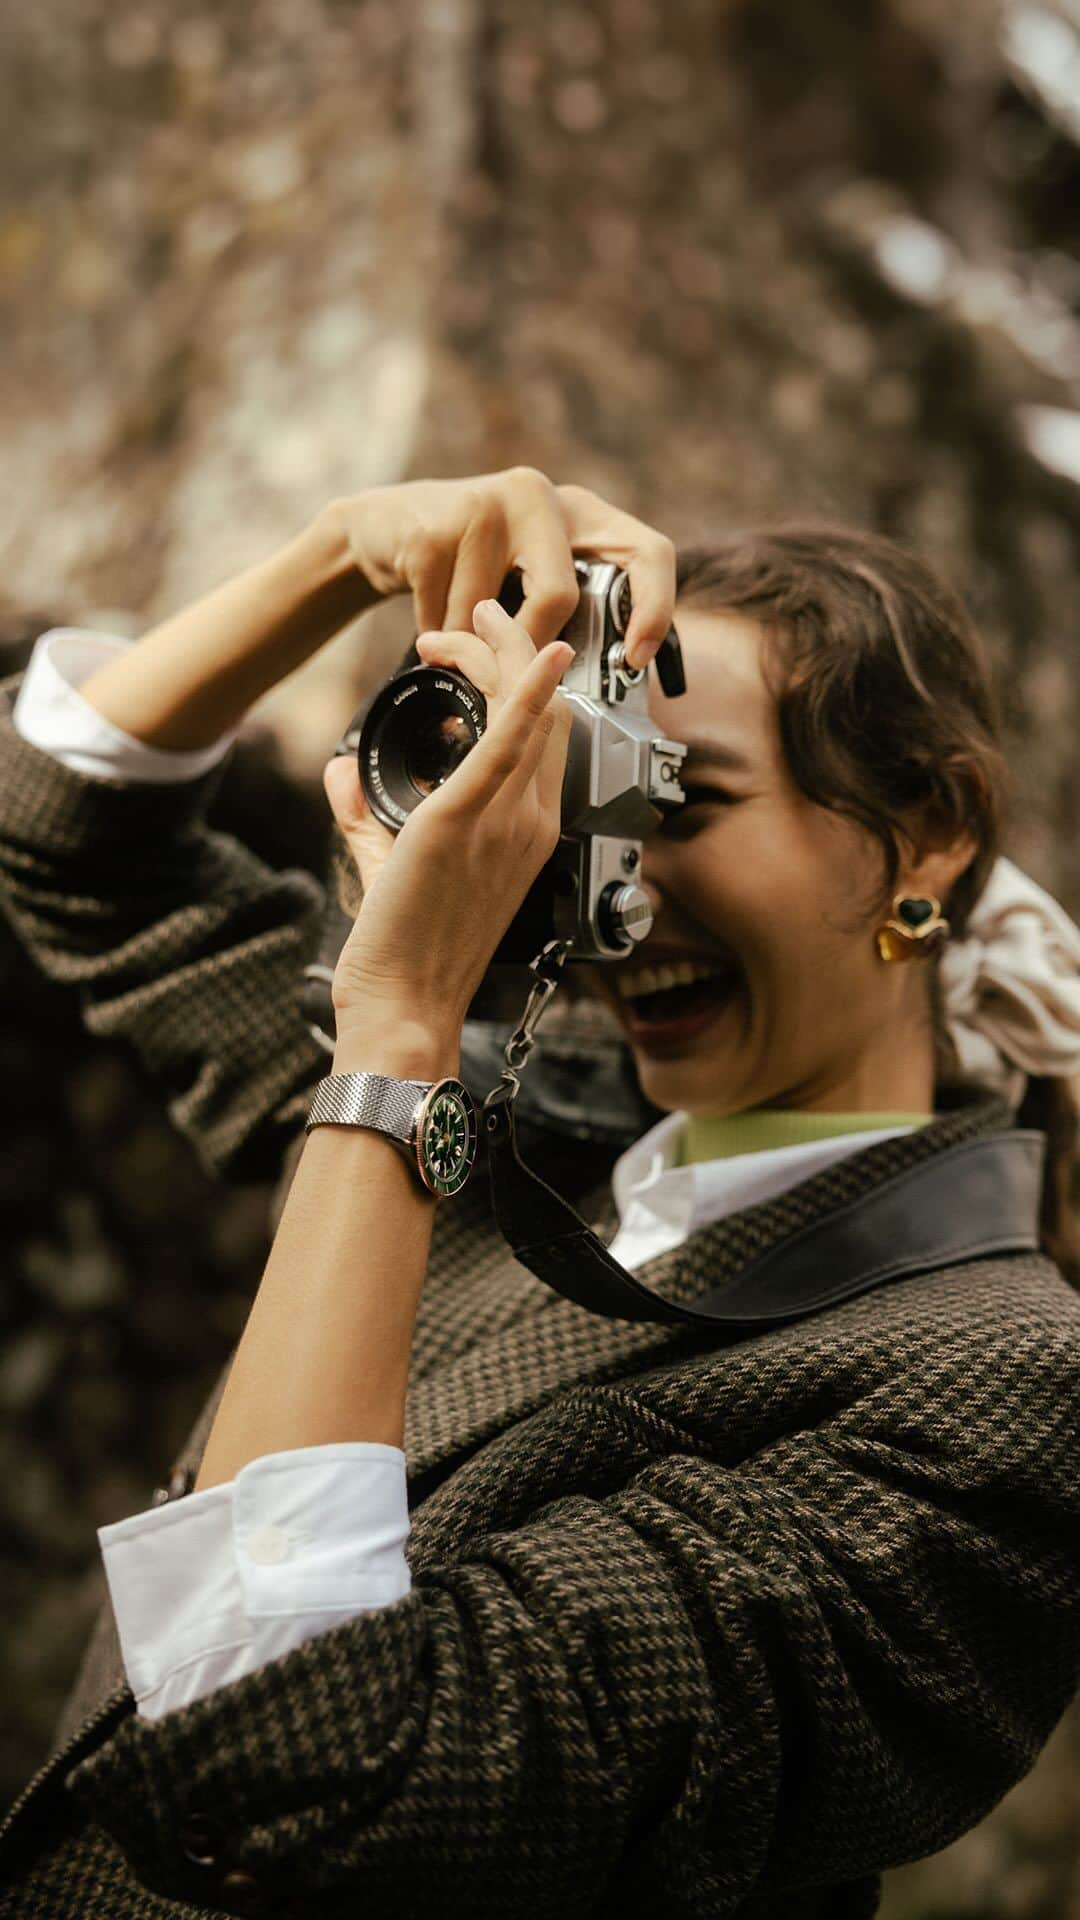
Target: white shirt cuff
51,713
213,1586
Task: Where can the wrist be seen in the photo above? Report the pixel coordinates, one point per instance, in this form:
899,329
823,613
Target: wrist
400,1048
332,530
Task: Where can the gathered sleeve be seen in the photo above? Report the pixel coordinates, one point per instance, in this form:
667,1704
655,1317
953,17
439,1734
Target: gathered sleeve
708,1682
174,937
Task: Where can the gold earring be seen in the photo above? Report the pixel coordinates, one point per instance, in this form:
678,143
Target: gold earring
916,930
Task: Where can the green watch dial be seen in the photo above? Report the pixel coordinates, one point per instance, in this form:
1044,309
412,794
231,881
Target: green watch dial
446,1137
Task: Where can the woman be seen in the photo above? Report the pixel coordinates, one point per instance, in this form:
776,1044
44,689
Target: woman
692,1625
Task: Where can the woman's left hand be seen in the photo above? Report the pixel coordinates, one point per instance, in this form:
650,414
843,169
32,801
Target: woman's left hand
439,895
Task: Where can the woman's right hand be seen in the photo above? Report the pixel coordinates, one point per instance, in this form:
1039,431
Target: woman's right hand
451,543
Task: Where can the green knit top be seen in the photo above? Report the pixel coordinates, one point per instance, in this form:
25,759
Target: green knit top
717,1136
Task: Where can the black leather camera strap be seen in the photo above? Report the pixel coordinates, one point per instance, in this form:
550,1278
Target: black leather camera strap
979,1197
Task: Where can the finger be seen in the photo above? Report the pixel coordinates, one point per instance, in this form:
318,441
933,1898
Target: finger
341,784
540,767
538,770
510,642
427,564
368,840
522,722
481,563
595,527
493,619
542,762
525,773
494,657
552,769
466,653
652,593
541,548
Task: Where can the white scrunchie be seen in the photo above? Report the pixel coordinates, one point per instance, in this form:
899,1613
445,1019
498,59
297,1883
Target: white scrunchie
1011,987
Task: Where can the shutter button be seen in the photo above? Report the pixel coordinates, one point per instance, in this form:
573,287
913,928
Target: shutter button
200,1839
244,1894
267,1545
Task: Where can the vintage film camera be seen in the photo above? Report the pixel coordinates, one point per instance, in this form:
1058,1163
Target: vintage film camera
621,778
621,775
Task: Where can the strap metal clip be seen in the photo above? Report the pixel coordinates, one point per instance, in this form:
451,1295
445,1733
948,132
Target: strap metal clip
547,967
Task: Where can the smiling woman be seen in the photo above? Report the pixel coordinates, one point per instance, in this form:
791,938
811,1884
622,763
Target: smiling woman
701,1623
850,691
783,894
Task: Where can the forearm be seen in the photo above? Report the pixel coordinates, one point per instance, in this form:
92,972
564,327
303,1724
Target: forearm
325,1352
188,681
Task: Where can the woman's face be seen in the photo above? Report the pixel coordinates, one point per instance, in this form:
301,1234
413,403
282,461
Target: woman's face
753,878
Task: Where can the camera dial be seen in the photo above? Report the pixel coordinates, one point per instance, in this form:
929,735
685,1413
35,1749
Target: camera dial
625,913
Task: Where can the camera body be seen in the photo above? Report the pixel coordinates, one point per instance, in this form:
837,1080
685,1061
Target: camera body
621,775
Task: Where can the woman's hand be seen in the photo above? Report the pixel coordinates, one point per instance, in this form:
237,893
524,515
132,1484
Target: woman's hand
451,543
439,895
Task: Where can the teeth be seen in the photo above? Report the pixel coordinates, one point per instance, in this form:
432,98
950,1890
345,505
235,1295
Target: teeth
632,981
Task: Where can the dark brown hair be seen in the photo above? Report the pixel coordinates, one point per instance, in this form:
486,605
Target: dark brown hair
885,703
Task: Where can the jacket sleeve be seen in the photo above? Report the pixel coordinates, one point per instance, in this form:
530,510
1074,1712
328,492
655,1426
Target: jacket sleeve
175,938
710,1685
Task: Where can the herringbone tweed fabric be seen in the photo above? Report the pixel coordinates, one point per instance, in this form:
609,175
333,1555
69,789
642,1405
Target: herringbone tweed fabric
698,1627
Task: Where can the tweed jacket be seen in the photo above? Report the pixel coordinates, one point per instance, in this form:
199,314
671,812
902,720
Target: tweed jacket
700,1625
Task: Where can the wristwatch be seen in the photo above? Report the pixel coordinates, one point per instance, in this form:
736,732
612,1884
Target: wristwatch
433,1121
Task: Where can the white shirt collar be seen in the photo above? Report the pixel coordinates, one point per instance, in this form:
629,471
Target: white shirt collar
661,1204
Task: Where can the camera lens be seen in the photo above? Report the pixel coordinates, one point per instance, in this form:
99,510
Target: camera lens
435,749
420,726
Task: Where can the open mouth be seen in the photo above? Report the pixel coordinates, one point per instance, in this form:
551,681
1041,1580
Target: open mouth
674,1001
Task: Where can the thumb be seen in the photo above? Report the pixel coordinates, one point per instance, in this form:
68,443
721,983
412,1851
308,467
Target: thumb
367,839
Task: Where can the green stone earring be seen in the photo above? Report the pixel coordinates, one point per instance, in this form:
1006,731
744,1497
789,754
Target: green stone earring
916,929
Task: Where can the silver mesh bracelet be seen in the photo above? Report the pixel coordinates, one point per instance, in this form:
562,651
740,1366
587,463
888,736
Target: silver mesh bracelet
369,1100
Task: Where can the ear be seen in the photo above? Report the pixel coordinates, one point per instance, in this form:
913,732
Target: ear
938,854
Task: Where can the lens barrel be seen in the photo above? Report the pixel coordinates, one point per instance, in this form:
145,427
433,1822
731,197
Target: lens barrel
418,729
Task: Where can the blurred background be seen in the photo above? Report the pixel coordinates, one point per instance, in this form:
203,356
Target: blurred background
716,259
